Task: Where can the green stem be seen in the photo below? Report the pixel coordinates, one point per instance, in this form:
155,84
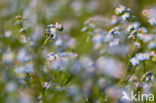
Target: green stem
29,44
45,42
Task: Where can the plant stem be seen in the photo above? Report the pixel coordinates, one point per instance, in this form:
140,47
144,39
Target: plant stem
45,42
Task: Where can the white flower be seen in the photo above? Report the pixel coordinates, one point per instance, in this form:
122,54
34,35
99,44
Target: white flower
53,31
141,36
58,42
52,56
130,28
98,38
142,30
152,21
137,44
114,31
143,56
134,61
136,25
120,9
125,16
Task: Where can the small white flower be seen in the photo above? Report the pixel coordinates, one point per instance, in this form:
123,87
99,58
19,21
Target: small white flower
152,21
146,56
52,56
114,31
58,42
137,44
141,36
98,38
125,16
131,36
142,30
143,56
136,25
120,9
53,31
130,28
134,61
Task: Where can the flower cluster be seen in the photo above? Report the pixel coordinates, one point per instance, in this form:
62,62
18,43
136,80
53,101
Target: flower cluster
149,13
152,21
22,23
139,57
52,30
124,12
148,77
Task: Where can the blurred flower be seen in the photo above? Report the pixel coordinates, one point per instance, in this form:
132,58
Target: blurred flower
137,44
134,61
23,55
52,56
125,16
136,25
58,42
142,56
121,9
114,31
149,76
130,28
52,30
8,33
115,42
152,45
8,56
11,86
87,64
142,30
152,21
98,38
110,67
141,36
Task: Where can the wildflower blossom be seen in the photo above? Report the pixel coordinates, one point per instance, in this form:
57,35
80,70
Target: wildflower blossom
152,45
131,36
98,38
52,56
152,21
141,36
58,42
142,30
121,9
134,61
23,55
149,76
125,16
143,56
52,30
59,26
137,44
145,12
136,25
130,28
8,56
8,33
114,31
